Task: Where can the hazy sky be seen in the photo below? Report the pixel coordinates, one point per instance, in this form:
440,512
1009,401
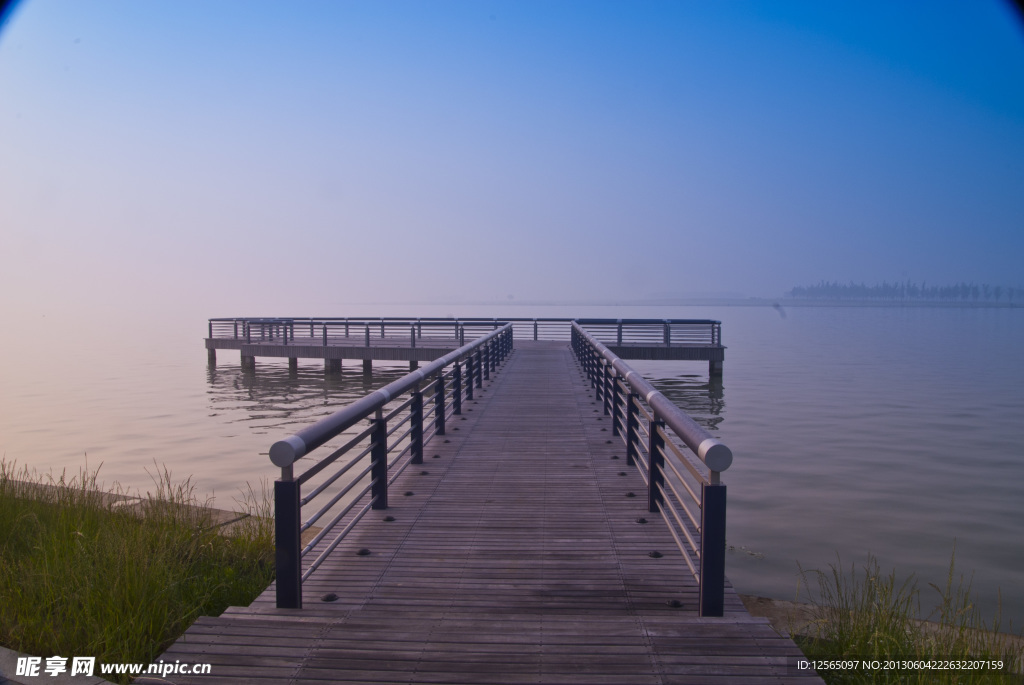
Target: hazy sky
288,158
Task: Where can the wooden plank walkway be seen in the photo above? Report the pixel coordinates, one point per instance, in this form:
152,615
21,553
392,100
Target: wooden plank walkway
517,558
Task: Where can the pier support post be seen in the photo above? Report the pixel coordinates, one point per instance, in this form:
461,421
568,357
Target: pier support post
413,365
715,368
248,363
367,366
211,357
293,365
332,366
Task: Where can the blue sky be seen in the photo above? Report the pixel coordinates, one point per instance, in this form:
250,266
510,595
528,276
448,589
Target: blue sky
258,157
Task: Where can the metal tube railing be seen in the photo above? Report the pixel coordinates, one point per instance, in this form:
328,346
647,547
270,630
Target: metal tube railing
382,442
417,331
650,430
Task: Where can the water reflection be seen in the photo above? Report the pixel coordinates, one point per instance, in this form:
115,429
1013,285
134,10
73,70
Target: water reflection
703,399
276,399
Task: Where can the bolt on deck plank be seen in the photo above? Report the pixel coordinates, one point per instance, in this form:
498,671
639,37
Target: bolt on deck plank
517,559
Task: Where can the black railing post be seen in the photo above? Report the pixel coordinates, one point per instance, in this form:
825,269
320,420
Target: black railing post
535,329
656,465
668,334
379,462
457,388
618,337
412,335
479,368
606,376
236,329
416,426
492,353
248,332
286,542
616,405
712,546
439,403
632,426
598,381
325,334
485,353
210,323
469,376
367,335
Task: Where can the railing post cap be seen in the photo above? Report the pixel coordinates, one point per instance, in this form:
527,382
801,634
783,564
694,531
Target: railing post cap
715,455
284,452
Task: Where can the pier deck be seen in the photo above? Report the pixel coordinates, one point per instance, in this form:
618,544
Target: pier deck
422,340
517,558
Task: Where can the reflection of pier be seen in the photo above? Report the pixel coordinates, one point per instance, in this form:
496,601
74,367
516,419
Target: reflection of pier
517,512
425,339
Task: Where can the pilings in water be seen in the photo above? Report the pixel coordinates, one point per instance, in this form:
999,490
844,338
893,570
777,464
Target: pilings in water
248,363
367,366
715,368
332,366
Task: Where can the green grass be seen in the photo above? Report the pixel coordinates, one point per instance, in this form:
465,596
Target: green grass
868,615
80,576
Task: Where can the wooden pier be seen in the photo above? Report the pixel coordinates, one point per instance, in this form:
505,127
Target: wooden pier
519,548
420,340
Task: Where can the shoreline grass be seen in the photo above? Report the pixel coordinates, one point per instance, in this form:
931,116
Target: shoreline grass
89,572
869,615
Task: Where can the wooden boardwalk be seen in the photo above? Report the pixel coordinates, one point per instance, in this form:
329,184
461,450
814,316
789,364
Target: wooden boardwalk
516,557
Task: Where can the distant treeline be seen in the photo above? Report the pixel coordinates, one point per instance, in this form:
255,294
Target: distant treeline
908,290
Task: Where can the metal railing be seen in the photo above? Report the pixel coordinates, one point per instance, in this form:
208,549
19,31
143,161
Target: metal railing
436,392
352,330
685,488
654,332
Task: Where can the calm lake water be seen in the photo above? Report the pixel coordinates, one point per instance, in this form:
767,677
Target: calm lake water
897,432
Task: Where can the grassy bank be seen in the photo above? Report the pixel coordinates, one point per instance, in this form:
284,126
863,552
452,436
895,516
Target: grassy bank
867,615
85,572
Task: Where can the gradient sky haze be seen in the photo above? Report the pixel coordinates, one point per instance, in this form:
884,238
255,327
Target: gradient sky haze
268,158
